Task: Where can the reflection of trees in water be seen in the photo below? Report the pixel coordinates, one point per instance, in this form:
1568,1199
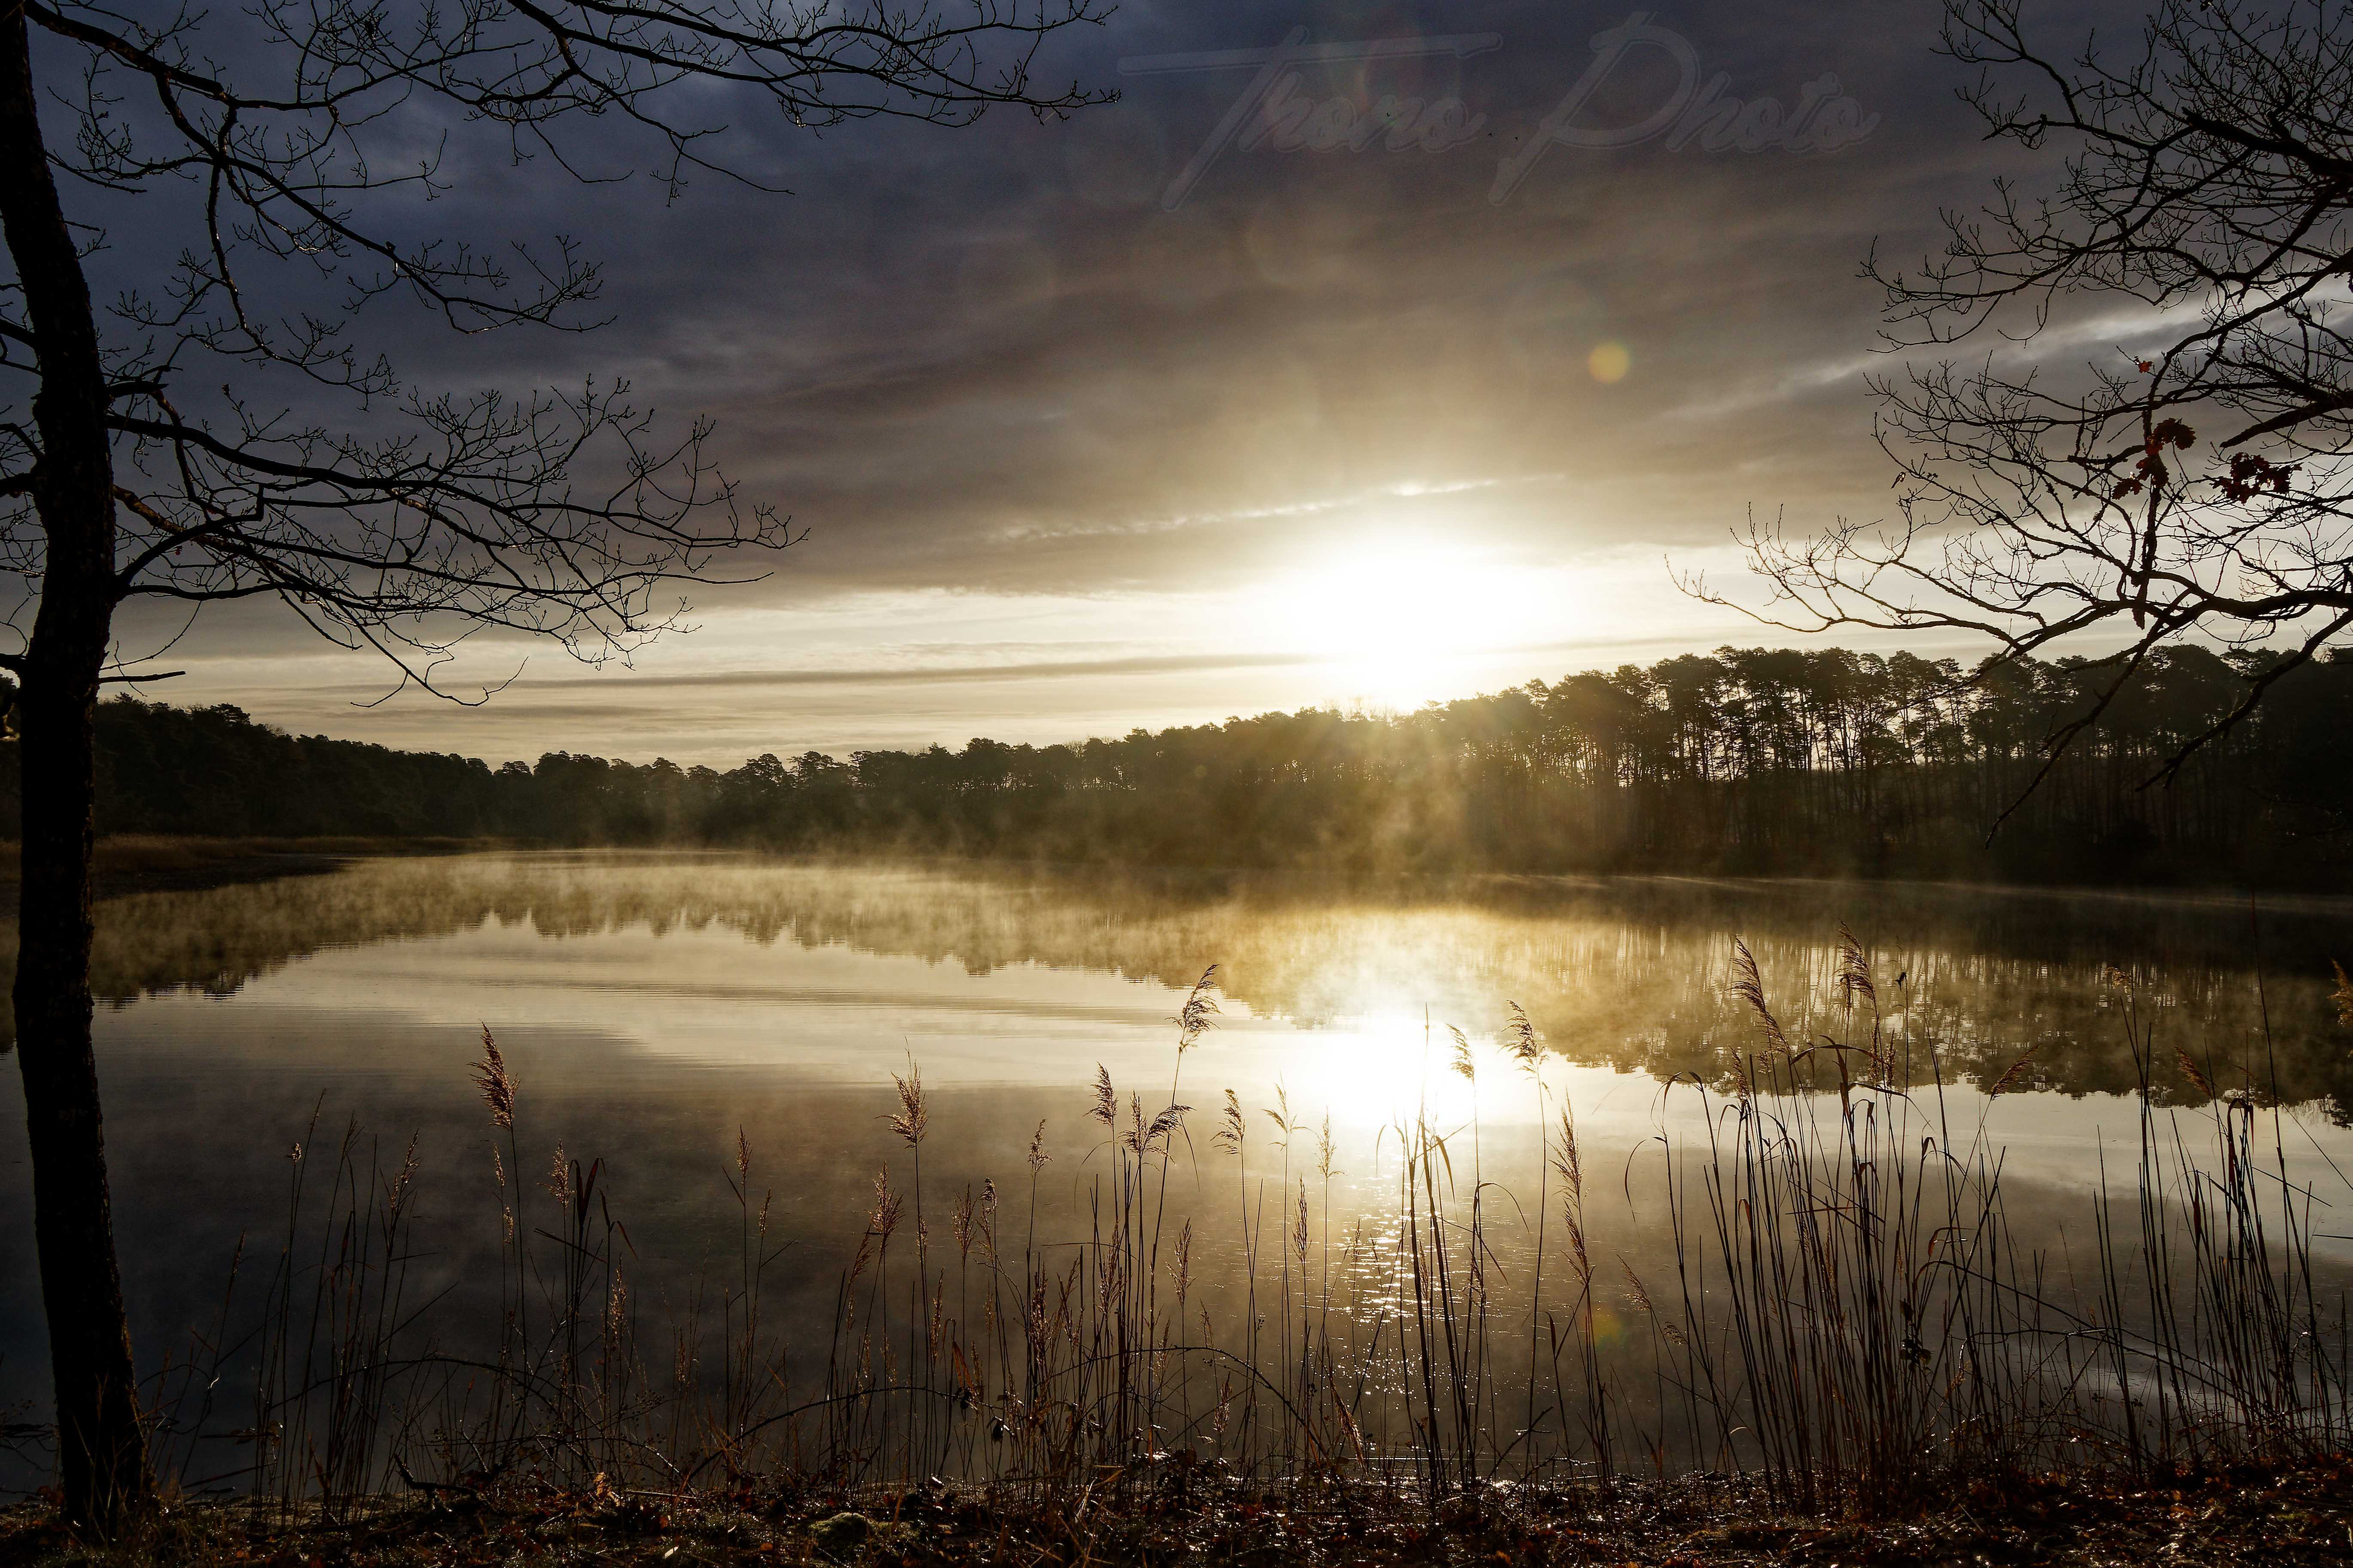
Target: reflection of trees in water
1628,972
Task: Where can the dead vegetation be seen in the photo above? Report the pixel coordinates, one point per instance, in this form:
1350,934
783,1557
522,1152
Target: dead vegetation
2278,1517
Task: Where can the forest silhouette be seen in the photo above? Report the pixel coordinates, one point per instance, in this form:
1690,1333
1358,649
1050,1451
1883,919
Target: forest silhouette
1744,761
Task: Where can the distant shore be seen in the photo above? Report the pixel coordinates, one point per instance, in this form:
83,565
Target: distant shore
146,863
155,862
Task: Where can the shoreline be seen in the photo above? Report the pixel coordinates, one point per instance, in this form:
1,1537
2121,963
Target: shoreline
2279,1515
139,863
149,863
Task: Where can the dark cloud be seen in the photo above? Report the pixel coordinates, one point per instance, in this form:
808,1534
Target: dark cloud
1031,363
991,360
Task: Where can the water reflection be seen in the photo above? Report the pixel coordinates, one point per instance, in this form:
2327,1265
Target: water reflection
653,1006
1627,972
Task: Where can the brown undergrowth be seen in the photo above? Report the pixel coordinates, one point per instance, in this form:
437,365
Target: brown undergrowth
1183,1515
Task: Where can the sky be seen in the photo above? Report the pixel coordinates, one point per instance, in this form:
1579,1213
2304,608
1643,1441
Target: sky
1106,421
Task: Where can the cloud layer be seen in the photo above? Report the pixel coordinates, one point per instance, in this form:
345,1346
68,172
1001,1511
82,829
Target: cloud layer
1053,439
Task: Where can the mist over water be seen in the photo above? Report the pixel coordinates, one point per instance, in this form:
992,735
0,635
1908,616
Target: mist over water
654,1006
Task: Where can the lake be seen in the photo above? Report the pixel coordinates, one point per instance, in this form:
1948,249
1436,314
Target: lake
680,1019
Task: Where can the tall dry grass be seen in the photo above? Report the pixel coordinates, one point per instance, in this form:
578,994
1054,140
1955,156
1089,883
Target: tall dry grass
1848,1309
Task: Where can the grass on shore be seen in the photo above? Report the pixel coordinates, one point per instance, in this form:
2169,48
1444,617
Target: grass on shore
141,862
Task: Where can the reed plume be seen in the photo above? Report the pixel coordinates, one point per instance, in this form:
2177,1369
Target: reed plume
1749,986
1233,1129
857,1264
1567,1164
2017,1070
1463,1063
1201,1009
883,1218
403,1183
497,1086
1634,1291
1165,1125
914,1115
1521,1039
1854,983
1854,970
1280,1117
1143,1137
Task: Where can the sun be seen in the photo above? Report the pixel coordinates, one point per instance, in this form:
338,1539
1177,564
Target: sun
1396,622
1381,1069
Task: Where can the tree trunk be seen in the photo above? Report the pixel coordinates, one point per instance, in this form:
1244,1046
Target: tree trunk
101,1448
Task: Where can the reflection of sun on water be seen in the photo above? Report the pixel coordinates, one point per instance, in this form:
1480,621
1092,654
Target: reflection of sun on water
1396,621
1381,1070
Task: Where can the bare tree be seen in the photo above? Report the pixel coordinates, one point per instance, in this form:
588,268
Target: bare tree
2192,482
263,170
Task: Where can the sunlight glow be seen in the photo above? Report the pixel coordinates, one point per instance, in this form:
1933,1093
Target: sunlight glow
1381,1070
1396,620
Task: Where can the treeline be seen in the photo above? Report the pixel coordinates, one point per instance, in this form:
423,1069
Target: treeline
1743,762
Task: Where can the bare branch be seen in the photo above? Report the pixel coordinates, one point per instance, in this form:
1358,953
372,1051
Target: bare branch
2204,188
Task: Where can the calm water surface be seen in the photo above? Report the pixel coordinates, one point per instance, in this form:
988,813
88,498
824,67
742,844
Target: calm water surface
655,1005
